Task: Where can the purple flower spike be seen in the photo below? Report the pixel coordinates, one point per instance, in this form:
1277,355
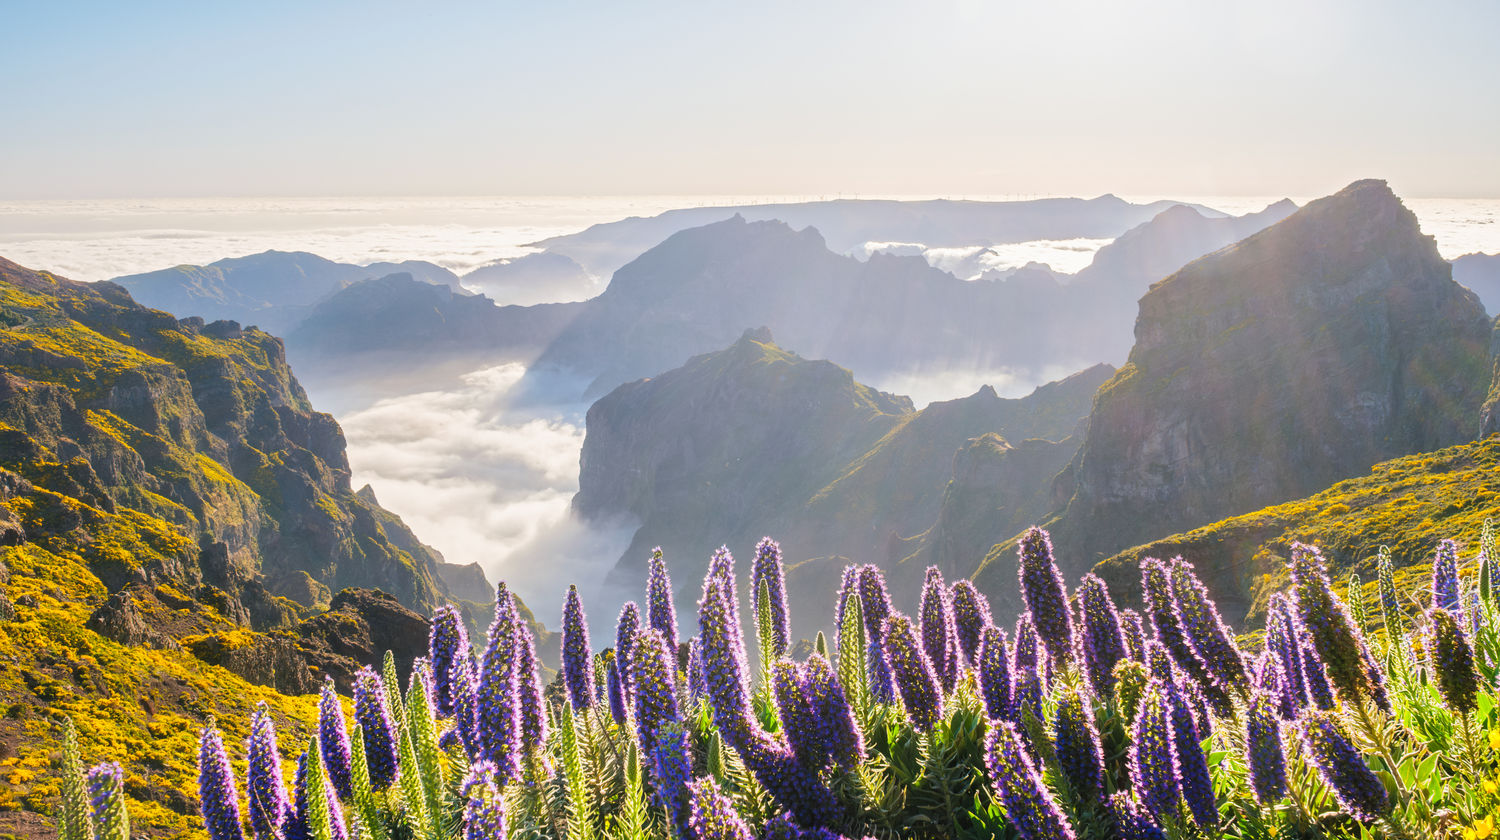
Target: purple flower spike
1358,790
994,673
1103,641
1331,631
1271,680
333,737
1211,641
1156,586
1264,751
848,588
448,646
374,718
1078,750
1159,661
875,606
1134,631
939,636
1283,646
626,628
1024,651
655,687
1134,823
577,658
269,806
672,768
1316,676
297,827
767,571
1153,756
1192,766
218,797
713,816
484,806
529,690
724,666
1027,697
106,785
497,710
1445,577
842,740
1453,662
915,680
1028,803
1045,596
661,615
971,615
617,705
697,688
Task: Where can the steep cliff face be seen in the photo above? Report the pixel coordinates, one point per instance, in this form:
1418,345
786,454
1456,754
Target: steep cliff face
116,411
754,440
1274,368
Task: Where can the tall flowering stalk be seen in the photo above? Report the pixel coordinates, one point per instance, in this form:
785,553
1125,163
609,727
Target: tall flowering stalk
1283,644
626,628
1134,630
497,712
534,724
661,615
1133,821
1078,748
712,815
265,787
377,728
1390,604
1192,766
449,651
994,673
655,687
619,708
333,735
1332,632
834,716
767,573
1161,607
939,635
1445,577
1153,752
1263,750
1028,804
875,606
672,765
577,657
1343,768
1452,662
915,680
1211,641
971,616
1101,638
1045,596
484,806
218,797
111,819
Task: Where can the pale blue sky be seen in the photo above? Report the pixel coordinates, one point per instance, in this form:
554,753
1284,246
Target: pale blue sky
448,98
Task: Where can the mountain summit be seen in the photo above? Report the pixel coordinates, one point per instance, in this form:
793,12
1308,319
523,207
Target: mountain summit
1273,368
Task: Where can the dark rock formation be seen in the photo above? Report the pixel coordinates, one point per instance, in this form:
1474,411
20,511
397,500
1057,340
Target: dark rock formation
1300,356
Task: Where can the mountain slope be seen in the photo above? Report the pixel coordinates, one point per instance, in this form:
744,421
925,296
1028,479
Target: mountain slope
1269,370
273,289
755,440
1407,504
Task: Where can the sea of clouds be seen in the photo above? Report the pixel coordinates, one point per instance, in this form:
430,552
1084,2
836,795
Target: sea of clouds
477,471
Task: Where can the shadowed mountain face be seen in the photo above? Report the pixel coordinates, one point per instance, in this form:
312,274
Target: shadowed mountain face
754,440
273,290
1480,272
1300,356
850,224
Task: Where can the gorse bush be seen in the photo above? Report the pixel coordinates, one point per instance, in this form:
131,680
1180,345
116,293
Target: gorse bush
1084,721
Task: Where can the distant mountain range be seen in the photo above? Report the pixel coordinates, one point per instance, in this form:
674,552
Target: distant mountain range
848,224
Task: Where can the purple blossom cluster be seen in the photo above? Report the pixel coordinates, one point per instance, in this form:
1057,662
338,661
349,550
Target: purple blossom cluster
768,574
1078,748
333,738
1162,609
265,788
939,634
971,617
577,655
1263,749
1324,620
1342,766
995,683
661,615
1045,596
218,797
915,680
1445,587
1028,803
1101,638
377,728
484,806
1452,662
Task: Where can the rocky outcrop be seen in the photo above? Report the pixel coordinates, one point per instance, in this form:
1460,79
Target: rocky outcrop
1264,372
